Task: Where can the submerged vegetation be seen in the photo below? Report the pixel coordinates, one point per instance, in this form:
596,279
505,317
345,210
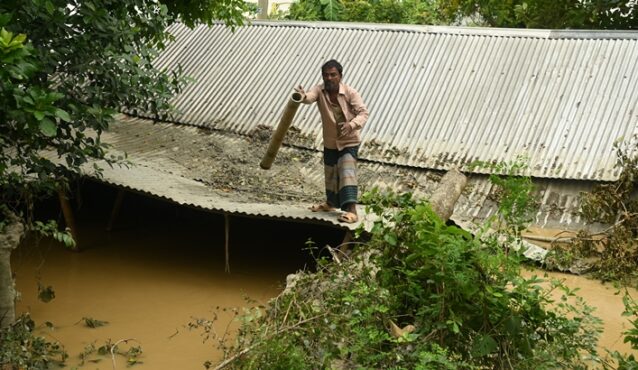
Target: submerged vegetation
21,349
611,254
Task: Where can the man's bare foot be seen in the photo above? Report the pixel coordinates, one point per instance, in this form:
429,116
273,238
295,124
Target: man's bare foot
348,217
323,207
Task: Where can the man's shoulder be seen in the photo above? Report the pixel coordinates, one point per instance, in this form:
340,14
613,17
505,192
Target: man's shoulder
348,90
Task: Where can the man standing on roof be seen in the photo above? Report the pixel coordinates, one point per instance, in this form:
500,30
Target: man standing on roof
343,115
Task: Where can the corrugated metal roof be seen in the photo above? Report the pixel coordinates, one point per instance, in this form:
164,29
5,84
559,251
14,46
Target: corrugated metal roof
189,192
438,96
158,152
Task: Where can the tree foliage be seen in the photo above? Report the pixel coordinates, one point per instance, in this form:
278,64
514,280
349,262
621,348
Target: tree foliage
67,67
379,11
553,14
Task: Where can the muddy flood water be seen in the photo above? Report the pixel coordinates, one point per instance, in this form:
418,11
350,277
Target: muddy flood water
162,266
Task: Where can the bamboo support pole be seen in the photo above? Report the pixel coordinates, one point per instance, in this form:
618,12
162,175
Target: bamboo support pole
280,132
69,219
115,211
227,235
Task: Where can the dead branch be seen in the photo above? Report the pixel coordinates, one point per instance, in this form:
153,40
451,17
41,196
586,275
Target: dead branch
115,345
241,353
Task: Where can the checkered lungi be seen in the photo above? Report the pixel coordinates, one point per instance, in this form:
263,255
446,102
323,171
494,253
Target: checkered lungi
340,168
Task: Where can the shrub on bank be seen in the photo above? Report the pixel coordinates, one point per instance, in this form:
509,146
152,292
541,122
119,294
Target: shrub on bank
419,294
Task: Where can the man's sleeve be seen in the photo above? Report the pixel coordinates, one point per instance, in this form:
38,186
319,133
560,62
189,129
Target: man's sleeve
360,110
312,95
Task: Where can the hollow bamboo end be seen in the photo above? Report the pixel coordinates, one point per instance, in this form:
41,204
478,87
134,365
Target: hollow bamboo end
296,97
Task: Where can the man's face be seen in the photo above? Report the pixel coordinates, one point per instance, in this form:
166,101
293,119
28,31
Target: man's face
331,79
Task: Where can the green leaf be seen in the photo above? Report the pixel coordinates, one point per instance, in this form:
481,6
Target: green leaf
4,19
53,96
484,345
47,127
390,238
50,7
21,38
63,115
513,325
39,115
5,36
28,100
104,350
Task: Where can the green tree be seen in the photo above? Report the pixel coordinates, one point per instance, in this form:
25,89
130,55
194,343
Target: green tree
378,11
66,68
552,14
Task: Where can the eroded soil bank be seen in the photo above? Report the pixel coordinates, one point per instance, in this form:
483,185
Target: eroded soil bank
163,265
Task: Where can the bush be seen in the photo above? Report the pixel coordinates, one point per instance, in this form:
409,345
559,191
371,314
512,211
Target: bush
611,254
418,295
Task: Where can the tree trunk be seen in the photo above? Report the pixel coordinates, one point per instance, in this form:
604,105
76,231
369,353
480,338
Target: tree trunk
447,193
9,240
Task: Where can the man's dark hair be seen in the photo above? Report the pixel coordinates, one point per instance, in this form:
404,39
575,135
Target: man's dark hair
330,64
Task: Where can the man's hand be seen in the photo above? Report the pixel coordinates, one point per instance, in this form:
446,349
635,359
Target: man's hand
299,89
346,128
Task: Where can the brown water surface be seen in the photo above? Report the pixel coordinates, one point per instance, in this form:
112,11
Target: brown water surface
164,265
149,277
608,303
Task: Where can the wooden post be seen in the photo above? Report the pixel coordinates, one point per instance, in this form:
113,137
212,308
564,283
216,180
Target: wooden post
69,220
227,234
447,193
117,205
345,246
9,240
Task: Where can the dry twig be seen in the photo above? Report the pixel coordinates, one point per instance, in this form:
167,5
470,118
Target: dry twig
238,355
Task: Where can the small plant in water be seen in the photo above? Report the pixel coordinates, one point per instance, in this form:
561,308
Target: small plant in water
45,293
94,354
617,360
93,323
21,349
